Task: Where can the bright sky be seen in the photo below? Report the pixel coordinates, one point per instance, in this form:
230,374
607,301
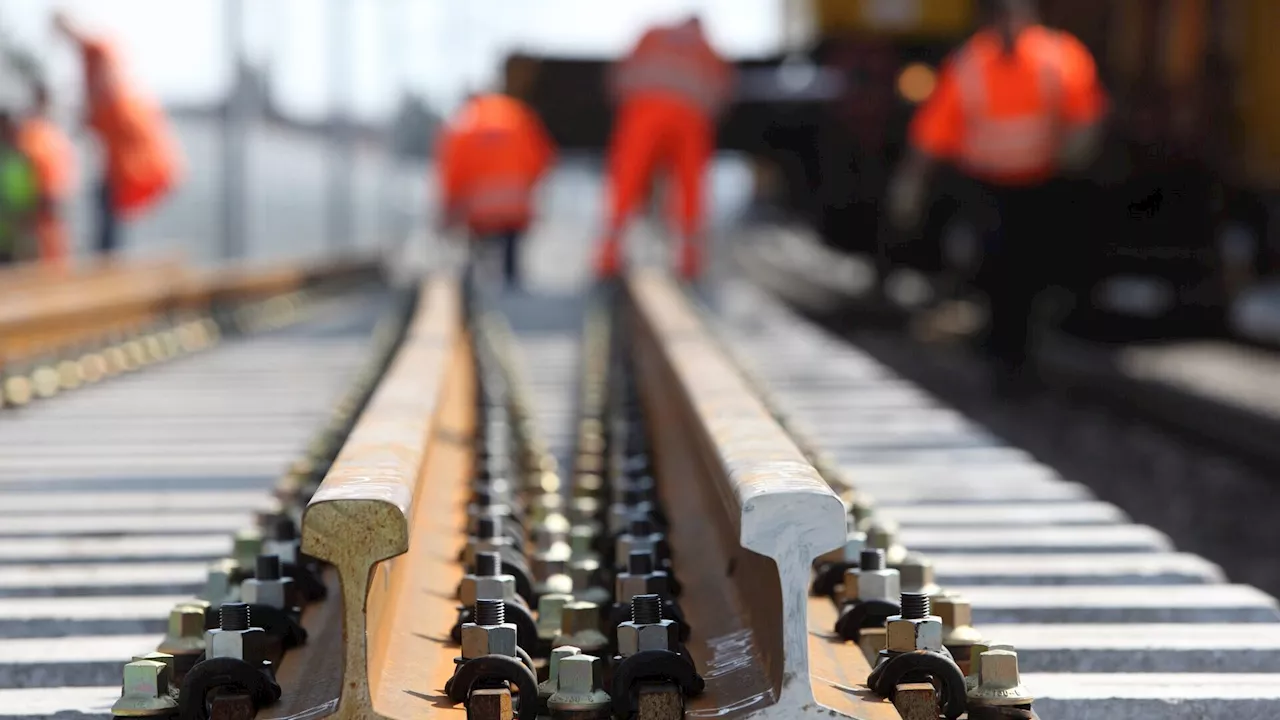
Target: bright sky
178,48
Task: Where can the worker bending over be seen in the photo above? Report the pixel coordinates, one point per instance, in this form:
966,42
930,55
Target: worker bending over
142,160
54,159
669,91
490,159
1013,107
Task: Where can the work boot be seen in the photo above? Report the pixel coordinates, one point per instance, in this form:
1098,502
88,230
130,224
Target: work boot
690,265
609,259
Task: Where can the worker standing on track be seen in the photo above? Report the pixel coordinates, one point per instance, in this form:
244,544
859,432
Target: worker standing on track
669,90
53,156
142,162
1013,107
490,159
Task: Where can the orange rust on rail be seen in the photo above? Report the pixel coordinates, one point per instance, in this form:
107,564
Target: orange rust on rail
390,515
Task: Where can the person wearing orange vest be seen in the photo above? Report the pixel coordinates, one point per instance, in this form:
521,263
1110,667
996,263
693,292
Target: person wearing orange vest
1013,108
142,161
670,90
53,156
490,159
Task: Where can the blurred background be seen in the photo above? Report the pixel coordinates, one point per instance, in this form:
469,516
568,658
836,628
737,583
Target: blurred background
308,123
306,127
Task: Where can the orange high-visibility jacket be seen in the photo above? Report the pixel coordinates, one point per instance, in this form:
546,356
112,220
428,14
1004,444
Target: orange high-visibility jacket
489,159
52,154
1001,118
675,63
54,159
143,159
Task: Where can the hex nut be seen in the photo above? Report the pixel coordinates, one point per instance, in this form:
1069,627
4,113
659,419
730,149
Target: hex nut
633,637
903,635
146,690
628,543
580,685
478,640
853,546
998,681
275,593
248,645
286,550
627,586
878,585
491,587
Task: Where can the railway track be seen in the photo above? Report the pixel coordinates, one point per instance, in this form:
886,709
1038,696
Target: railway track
669,505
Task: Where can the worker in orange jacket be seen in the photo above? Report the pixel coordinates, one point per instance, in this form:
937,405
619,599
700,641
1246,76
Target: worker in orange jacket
670,90
142,159
490,159
54,159
1012,109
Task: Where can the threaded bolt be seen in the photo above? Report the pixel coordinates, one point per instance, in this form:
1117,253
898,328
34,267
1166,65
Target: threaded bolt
488,564
490,612
234,616
871,559
915,606
640,527
488,527
646,609
267,567
640,563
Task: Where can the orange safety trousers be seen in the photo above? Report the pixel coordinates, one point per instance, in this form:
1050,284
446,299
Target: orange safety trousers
656,132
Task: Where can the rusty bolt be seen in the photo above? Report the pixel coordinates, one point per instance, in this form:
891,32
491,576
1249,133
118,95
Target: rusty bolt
975,659
548,687
146,691
915,628
551,612
579,686
956,614
998,681
185,634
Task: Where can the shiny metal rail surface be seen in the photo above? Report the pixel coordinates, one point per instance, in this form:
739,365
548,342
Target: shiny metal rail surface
1108,620
114,499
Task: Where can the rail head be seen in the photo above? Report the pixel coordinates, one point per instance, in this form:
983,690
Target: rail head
362,513
772,512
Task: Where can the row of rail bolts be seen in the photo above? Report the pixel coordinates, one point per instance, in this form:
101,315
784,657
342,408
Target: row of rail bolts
569,595
118,350
913,631
218,658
